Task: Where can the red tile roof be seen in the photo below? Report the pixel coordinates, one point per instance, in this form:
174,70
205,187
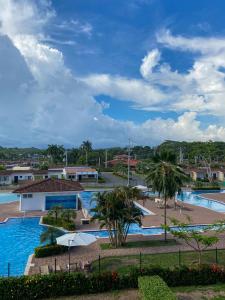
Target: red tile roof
49,185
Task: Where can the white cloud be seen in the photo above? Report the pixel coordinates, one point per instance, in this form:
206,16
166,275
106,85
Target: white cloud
149,62
42,102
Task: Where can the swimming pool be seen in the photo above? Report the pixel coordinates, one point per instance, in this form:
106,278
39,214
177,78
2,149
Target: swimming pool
88,202
18,238
135,229
195,198
8,197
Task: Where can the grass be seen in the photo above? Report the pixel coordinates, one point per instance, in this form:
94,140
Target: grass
139,244
123,264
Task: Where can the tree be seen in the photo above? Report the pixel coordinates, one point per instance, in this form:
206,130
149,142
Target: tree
116,211
56,152
50,235
166,178
196,239
86,147
120,168
68,214
56,211
43,166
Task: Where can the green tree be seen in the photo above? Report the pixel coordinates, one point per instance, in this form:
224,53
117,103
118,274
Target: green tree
86,147
56,212
49,236
196,239
68,215
56,152
116,211
166,178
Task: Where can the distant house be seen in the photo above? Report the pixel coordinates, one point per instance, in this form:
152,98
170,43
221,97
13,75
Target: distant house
20,175
80,173
204,173
123,159
44,194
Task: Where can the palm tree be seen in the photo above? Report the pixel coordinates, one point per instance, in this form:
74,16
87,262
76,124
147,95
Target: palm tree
166,178
50,235
68,214
55,211
86,146
116,211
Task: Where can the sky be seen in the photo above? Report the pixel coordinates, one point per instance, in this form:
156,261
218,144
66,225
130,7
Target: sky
111,70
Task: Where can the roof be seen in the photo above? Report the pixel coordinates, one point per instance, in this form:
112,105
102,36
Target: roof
49,185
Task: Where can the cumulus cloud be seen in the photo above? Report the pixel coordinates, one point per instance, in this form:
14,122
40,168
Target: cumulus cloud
43,102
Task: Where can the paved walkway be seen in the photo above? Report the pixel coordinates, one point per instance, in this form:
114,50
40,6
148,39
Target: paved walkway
92,252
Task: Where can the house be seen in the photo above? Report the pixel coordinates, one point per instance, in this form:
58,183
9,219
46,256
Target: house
80,173
44,194
204,173
20,175
123,159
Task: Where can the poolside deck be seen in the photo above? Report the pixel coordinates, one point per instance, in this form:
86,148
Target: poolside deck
215,196
11,210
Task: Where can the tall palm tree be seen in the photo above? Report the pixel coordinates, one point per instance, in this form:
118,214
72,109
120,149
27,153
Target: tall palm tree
68,214
166,178
86,146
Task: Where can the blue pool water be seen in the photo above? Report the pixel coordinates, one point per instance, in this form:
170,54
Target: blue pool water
18,238
195,198
8,197
135,229
88,202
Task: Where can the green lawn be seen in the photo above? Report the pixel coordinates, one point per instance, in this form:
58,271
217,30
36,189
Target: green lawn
138,244
123,264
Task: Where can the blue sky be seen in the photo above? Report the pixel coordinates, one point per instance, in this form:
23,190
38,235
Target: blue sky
106,70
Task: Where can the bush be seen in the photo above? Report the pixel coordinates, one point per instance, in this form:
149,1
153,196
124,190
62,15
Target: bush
154,288
49,250
48,220
205,188
65,284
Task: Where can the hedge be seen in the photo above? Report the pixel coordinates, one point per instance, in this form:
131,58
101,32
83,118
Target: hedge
154,288
49,250
60,223
65,284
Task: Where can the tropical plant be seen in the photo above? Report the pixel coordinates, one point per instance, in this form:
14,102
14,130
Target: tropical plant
56,152
120,168
116,211
49,236
196,239
166,178
86,147
68,214
55,211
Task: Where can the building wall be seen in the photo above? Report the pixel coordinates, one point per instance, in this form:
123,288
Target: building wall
37,202
5,180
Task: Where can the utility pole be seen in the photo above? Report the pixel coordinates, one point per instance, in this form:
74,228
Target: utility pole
128,165
106,158
181,156
66,158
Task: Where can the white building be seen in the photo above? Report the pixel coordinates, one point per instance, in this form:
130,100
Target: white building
22,174
80,173
44,194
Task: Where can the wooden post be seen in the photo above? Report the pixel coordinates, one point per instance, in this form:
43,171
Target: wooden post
55,264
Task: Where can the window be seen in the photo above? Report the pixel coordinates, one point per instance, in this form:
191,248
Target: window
27,196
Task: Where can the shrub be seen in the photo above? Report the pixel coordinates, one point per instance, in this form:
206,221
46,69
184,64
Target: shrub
65,284
48,220
49,250
154,288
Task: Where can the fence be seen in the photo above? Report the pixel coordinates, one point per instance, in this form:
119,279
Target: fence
123,263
